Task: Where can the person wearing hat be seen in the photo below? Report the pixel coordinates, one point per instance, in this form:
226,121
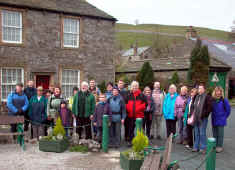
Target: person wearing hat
17,103
118,109
37,113
65,116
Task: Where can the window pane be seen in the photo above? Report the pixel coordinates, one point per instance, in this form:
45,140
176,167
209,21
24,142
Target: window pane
12,26
10,76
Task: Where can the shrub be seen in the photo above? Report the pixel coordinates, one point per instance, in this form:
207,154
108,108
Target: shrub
140,142
59,129
102,86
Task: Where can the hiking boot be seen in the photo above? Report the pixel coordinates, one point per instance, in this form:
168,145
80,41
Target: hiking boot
194,150
219,149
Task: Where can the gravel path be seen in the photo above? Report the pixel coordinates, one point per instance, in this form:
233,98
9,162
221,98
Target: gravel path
13,158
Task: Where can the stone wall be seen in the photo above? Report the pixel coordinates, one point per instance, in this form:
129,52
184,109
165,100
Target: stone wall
42,52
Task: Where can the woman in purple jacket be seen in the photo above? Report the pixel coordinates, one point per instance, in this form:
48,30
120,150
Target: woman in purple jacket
220,112
180,105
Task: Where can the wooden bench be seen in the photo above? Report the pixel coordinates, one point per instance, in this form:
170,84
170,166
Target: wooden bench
8,120
153,160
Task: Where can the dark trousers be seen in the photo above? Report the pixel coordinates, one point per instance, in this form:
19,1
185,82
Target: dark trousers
99,133
126,125
81,121
131,128
115,134
26,123
189,135
13,128
170,127
147,123
218,134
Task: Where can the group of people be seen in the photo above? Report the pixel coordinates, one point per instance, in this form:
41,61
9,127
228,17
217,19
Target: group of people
87,106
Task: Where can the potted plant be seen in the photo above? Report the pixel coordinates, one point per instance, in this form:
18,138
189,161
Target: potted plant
56,141
133,158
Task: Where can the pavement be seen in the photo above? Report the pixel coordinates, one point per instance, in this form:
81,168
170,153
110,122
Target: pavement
12,157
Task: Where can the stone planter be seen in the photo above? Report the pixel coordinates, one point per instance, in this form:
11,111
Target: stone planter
127,164
57,146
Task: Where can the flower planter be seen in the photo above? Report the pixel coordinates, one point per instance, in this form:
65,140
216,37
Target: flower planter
128,164
57,146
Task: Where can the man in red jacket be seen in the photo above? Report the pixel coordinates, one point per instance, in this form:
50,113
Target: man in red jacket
135,107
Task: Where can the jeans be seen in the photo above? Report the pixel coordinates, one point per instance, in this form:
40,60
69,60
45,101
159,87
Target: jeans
115,134
189,135
156,126
200,141
38,130
181,129
218,134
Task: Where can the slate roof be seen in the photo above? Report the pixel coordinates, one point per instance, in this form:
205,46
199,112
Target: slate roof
130,52
169,64
177,59
224,52
74,7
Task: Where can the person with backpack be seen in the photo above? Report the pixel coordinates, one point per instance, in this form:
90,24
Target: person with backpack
221,110
118,109
53,106
135,107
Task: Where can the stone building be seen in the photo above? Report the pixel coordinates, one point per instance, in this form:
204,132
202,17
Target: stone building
177,60
54,42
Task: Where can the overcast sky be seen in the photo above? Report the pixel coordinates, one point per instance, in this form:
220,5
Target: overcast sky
216,14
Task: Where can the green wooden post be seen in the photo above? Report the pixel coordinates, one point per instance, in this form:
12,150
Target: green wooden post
211,154
138,124
105,135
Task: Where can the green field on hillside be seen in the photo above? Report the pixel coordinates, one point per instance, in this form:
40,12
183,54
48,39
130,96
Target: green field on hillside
124,40
203,32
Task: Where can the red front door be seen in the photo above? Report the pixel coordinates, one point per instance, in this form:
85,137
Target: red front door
42,80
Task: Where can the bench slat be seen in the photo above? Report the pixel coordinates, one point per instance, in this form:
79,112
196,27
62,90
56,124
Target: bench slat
12,134
7,120
155,162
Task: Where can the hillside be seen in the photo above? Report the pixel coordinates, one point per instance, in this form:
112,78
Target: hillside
127,34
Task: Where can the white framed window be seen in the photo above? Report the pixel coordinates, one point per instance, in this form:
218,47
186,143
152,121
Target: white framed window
11,26
71,33
70,79
9,78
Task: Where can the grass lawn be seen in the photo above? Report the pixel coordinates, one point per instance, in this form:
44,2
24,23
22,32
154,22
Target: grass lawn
126,39
203,32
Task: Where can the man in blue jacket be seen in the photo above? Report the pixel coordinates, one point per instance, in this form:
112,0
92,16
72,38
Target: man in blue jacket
17,103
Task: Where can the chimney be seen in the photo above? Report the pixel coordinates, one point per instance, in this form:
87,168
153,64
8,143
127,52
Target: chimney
135,49
191,33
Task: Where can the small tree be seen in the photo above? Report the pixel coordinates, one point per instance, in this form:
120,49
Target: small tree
199,64
59,128
145,76
174,79
102,86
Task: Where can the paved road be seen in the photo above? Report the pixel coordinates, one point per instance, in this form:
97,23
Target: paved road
224,161
12,157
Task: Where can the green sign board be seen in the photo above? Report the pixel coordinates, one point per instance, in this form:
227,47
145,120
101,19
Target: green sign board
218,79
